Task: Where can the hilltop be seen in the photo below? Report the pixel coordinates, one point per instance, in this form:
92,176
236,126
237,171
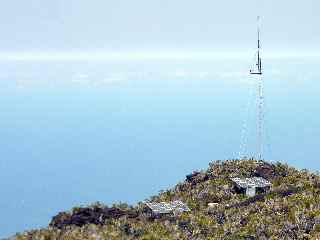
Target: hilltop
290,210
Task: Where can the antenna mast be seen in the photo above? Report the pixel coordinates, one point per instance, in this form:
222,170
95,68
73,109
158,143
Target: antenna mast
258,71
259,58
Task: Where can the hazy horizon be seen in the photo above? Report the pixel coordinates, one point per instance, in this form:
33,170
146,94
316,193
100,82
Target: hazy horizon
146,55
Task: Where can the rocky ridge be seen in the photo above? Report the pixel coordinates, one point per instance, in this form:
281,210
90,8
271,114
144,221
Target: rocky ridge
291,210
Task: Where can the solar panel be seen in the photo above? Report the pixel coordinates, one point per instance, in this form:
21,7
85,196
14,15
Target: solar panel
165,207
251,182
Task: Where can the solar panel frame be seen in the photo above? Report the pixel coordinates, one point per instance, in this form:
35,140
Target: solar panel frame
165,207
252,182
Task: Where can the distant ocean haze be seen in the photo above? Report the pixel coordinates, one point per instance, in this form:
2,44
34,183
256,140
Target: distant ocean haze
73,133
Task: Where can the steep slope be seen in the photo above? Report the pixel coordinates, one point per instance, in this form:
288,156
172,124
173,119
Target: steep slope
290,210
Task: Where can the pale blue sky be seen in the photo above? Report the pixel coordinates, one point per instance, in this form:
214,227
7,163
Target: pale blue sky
157,25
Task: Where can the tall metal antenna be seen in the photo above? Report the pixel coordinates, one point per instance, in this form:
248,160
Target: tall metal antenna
258,71
258,67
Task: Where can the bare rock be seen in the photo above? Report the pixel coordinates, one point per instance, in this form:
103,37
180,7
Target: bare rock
84,216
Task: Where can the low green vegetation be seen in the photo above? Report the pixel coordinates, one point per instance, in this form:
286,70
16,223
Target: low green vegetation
290,210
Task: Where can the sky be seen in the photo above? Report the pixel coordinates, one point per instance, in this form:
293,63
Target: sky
73,26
